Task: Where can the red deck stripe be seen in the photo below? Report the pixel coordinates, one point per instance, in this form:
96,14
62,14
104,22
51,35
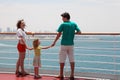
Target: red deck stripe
29,77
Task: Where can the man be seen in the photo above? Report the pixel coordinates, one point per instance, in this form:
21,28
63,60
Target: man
67,29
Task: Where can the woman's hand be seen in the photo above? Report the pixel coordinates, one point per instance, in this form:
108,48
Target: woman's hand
31,33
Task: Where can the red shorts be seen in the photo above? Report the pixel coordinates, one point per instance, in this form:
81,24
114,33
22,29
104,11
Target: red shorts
21,47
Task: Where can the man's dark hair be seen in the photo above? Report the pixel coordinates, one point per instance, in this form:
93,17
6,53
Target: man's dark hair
66,15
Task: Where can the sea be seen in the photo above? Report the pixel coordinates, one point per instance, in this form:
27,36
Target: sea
93,53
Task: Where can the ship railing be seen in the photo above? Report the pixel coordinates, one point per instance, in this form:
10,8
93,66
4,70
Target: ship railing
90,67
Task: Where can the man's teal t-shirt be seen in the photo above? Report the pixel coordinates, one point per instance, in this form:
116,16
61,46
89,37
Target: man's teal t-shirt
68,31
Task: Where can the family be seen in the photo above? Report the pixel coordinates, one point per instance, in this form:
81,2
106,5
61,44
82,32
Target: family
67,29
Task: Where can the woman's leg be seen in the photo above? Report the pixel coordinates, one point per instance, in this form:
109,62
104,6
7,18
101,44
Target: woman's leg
22,58
18,64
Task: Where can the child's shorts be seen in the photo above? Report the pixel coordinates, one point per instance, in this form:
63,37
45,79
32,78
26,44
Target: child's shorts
21,47
37,61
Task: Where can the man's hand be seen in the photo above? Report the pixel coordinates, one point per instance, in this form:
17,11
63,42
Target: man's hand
53,45
78,33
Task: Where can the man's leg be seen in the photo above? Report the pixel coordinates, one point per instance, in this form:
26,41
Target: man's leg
62,58
72,64
61,69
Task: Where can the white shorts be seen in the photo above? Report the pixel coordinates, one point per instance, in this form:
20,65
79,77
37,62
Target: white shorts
37,61
66,51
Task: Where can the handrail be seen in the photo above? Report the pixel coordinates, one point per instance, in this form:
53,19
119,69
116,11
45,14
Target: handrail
54,33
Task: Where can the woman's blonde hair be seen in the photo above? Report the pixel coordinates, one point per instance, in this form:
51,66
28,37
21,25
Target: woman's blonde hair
35,43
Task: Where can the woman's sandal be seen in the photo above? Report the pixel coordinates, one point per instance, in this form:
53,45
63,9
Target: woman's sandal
71,78
18,74
24,74
37,77
60,77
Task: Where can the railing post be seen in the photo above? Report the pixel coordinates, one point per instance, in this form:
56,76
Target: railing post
28,60
114,57
28,54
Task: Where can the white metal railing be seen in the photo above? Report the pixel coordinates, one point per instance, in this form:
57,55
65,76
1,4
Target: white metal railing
114,72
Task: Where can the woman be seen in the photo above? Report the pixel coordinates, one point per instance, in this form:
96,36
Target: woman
21,46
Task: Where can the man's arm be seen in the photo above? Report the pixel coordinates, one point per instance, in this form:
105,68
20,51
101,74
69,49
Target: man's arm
57,37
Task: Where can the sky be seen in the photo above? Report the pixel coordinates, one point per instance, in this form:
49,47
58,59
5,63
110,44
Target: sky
44,15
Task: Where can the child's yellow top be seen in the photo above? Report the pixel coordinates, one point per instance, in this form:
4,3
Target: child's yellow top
37,51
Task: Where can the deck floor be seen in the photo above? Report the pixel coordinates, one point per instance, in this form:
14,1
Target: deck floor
8,76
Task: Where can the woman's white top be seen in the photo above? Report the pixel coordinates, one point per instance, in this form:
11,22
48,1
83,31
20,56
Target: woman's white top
20,33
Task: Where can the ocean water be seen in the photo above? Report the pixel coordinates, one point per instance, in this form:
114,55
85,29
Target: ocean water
99,54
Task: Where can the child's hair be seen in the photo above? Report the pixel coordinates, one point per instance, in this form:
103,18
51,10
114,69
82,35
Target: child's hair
35,43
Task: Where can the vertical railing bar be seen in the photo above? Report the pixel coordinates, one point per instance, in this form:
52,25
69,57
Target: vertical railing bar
28,54
114,57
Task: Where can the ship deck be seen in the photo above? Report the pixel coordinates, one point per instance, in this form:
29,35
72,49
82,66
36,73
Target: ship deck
7,76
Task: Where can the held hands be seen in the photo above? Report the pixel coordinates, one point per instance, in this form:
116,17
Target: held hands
50,46
30,48
47,47
44,47
53,45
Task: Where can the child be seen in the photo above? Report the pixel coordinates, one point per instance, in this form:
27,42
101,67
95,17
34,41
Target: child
37,61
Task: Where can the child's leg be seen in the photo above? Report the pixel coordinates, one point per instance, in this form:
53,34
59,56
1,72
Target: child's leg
36,71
